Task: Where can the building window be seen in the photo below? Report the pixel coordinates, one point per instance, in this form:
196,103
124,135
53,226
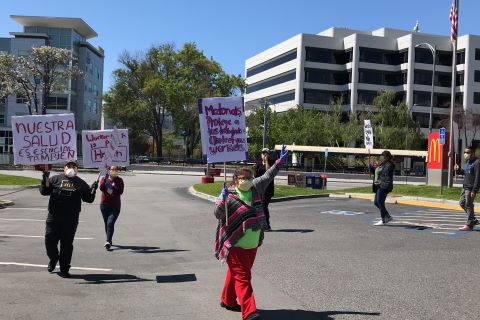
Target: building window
58,103
366,97
270,82
461,57
476,77
423,77
274,99
477,54
460,78
289,56
476,97
327,76
328,56
21,99
325,97
2,118
382,77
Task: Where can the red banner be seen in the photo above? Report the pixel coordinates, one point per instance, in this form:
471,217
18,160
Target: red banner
435,151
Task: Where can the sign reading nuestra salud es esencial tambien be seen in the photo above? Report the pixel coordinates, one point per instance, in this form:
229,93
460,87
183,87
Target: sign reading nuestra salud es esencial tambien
222,125
44,139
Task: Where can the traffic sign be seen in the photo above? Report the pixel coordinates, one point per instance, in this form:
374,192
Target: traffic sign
442,136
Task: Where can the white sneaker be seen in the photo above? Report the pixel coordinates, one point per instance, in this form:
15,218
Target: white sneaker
379,223
387,220
107,245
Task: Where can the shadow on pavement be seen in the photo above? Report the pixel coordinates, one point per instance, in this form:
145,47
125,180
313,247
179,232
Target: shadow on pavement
173,278
293,230
96,278
407,226
143,249
308,315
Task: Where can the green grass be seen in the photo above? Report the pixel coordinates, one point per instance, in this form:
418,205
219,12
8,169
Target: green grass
413,191
6,179
214,189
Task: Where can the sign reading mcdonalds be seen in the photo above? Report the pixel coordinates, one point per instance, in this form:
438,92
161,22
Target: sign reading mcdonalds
435,151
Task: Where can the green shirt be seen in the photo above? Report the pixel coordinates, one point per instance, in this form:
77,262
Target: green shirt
378,171
251,238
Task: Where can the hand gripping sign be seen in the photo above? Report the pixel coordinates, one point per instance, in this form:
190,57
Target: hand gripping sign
104,148
44,139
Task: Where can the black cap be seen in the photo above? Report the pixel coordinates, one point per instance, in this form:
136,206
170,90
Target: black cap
75,163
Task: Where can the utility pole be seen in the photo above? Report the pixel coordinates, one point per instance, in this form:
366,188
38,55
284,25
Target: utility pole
265,108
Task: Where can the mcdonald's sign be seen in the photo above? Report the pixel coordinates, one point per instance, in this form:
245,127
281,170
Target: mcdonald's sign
435,151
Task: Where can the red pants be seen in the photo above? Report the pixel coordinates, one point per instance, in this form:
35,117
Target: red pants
238,280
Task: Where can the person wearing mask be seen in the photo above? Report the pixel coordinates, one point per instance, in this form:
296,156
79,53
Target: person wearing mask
66,191
112,188
383,185
260,169
471,185
239,234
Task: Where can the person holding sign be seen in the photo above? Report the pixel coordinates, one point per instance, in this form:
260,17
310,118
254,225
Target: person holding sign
241,222
112,188
383,185
66,191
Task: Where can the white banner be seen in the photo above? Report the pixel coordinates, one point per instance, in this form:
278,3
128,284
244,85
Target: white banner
103,148
44,139
222,124
368,134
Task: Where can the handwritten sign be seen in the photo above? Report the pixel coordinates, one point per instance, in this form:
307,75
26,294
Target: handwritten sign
44,139
105,148
368,134
222,124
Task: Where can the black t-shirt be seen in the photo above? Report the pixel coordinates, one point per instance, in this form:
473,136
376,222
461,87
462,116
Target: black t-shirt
66,194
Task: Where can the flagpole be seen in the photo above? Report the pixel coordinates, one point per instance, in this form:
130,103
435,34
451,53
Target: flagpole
451,151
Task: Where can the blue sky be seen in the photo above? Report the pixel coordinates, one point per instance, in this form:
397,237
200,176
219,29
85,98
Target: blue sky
232,31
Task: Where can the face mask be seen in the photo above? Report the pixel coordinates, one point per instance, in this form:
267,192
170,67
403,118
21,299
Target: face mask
245,185
70,173
113,174
466,156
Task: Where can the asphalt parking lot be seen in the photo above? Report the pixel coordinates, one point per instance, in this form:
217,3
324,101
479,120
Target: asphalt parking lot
324,260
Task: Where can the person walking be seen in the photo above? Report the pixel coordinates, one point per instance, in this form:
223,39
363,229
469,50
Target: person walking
383,185
240,233
66,191
112,188
471,185
260,169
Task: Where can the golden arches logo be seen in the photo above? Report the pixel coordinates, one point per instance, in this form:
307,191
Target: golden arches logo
434,150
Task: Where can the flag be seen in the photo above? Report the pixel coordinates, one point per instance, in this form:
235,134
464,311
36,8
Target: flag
454,19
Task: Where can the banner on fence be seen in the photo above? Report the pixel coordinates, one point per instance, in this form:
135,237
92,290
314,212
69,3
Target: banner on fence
102,148
44,139
222,124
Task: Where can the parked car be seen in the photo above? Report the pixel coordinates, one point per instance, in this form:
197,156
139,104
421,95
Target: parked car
142,159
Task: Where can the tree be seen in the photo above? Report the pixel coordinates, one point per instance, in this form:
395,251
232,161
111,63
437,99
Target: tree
166,82
34,77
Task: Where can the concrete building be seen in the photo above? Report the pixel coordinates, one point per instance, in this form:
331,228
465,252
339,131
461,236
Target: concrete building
83,96
312,70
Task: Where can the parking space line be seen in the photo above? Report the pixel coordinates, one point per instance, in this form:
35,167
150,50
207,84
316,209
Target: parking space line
442,232
44,266
25,236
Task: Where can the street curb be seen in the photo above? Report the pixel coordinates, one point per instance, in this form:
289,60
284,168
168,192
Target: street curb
15,186
415,201
282,199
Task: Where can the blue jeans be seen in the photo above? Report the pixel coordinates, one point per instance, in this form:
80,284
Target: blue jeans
110,215
380,197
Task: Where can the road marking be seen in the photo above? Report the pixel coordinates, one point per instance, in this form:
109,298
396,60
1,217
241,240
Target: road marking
33,209
25,236
442,232
432,219
44,266
344,212
18,219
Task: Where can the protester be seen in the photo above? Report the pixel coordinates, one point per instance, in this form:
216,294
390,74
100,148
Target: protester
471,185
383,185
240,233
260,169
66,191
112,188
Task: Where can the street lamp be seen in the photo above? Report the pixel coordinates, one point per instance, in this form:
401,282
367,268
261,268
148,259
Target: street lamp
433,49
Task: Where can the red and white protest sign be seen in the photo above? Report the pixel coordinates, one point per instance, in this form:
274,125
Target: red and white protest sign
102,148
44,139
222,125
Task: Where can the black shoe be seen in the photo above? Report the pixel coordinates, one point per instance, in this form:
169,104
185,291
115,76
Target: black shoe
64,274
52,264
253,316
236,308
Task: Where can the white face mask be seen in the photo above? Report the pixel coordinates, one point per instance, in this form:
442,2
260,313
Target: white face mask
245,185
70,173
466,156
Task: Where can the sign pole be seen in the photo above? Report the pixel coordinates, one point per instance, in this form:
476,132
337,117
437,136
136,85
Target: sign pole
225,185
441,169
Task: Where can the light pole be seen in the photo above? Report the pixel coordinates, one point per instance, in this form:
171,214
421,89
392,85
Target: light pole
433,49
265,106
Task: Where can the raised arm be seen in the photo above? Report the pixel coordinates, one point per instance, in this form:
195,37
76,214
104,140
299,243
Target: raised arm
262,182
